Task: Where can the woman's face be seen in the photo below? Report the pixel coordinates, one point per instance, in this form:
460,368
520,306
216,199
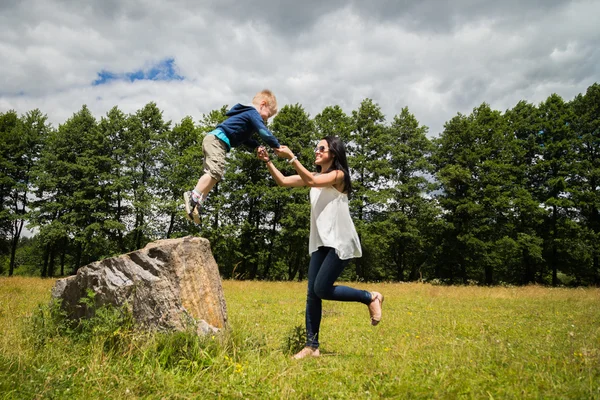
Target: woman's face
322,153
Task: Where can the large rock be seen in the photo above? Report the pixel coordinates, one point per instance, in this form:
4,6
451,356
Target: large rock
167,285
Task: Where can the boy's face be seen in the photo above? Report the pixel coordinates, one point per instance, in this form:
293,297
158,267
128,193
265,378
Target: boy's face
264,110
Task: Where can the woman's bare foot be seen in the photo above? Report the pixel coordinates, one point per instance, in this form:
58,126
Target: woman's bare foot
375,307
307,352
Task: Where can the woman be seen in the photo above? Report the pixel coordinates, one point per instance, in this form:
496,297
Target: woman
333,238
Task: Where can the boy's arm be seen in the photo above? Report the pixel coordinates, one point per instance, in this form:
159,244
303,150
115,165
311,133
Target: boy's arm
268,138
265,133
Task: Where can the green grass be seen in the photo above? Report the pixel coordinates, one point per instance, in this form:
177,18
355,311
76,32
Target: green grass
434,342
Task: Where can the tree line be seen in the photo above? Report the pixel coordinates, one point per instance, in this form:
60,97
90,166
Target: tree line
498,197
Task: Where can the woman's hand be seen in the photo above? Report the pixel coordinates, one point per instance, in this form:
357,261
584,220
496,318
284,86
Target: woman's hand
262,154
284,152
285,181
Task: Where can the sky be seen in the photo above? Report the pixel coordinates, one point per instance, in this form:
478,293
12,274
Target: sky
437,58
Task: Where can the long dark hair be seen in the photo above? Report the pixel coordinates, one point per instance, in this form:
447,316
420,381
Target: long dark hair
340,162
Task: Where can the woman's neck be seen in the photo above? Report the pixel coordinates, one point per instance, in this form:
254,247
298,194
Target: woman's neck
325,167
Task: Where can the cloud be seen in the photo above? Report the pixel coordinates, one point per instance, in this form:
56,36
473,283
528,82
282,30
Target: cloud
437,58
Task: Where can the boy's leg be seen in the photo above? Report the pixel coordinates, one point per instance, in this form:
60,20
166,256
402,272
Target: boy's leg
205,185
215,152
193,199
191,203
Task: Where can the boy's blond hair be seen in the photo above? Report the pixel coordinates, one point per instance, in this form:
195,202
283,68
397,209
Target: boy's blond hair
267,96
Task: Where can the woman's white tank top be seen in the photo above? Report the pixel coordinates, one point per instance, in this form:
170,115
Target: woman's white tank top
331,224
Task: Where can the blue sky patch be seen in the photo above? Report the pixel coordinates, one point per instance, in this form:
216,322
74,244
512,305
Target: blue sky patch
164,70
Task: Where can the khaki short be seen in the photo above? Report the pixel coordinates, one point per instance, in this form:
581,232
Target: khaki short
215,153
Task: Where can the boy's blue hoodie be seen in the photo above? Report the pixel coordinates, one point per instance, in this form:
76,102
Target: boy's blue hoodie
243,121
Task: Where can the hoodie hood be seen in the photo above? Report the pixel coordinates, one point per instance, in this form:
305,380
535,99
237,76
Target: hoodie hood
238,109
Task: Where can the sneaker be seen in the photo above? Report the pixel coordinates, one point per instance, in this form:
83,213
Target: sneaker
191,207
307,352
375,307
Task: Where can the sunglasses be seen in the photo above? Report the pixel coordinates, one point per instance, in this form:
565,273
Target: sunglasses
321,149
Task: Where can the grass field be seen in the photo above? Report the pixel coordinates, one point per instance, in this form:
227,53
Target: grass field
434,342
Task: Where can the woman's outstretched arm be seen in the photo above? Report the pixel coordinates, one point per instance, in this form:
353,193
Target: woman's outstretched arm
331,178
280,179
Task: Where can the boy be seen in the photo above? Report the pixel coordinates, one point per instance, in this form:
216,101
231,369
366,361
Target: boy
237,130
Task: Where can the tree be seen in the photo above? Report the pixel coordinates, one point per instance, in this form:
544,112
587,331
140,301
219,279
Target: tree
70,208
494,177
368,155
474,164
146,128
513,197
10,149
554,168
332,121
587,177
410,208
22,147
116,187
524,123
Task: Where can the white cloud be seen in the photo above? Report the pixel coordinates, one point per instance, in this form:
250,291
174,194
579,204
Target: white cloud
436,58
